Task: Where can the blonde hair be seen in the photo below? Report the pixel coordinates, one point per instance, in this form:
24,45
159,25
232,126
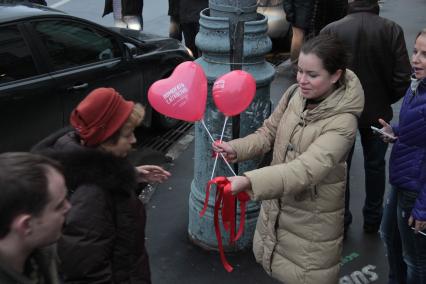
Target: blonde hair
134,120
421,33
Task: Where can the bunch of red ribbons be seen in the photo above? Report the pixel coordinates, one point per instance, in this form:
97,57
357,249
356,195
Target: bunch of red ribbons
225,202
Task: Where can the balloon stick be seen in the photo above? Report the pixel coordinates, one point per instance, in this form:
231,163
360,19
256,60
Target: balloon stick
220,141
211,138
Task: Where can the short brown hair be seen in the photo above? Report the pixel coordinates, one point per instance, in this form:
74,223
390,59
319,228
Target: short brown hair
23,186
331,51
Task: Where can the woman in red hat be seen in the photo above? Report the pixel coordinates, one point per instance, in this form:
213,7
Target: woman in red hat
104,233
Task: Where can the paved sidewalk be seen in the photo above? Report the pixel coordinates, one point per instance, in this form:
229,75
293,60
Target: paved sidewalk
173,258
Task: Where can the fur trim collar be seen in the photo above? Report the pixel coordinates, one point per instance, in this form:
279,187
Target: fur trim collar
85,167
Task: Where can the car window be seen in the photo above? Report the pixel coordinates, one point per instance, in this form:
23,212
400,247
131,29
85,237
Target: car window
16,61
71,44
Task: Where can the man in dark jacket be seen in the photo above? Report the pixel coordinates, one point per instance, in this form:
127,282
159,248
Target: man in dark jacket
184,17
380,60
33,206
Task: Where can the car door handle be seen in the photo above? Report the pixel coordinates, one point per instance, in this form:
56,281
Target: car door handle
78,87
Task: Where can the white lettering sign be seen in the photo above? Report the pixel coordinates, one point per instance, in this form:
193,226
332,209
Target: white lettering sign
365,276
219,85
176,94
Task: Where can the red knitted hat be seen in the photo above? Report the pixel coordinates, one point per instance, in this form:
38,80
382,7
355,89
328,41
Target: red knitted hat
100,115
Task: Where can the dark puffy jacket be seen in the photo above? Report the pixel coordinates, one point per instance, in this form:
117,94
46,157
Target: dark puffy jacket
325,12
104,234
378,57
128,7
407,164
187,11
173,8
299,12
41,264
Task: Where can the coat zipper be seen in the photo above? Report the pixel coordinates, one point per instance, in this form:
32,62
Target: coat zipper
313,191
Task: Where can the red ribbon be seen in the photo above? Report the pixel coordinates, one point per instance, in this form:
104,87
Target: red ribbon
226,201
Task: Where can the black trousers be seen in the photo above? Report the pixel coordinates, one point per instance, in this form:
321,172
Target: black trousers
189,31
374,150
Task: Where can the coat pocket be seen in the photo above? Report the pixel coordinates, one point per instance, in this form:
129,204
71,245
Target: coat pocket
309,194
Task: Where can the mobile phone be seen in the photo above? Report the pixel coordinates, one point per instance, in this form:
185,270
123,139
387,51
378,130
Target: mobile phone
377,130
420,232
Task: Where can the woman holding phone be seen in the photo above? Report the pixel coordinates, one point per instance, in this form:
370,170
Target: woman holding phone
405,209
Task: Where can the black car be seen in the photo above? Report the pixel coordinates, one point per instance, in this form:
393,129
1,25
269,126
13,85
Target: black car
50,61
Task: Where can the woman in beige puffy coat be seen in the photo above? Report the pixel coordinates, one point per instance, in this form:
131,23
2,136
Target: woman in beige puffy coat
299,232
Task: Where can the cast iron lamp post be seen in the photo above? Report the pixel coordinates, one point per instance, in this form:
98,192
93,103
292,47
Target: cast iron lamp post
232,36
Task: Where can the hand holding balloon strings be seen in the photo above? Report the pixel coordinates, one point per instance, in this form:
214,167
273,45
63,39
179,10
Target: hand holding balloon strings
212,139
220,141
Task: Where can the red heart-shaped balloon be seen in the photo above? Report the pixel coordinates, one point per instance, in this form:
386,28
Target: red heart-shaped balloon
234,92
183,95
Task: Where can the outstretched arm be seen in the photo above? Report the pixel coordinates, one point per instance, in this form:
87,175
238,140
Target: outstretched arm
152,173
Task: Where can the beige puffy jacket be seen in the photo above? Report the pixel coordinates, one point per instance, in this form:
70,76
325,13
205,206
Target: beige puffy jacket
299,232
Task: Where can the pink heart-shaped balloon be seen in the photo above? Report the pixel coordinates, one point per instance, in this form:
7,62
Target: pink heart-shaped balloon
183,95
234,92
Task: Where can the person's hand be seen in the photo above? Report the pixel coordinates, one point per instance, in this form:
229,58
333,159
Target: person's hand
417,224
225,149
151,173
239,184
388,130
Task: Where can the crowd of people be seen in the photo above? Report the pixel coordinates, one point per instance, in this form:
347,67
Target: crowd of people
69,211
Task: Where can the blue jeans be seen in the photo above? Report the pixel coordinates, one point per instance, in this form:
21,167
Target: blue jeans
374,150
392,240
406,251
